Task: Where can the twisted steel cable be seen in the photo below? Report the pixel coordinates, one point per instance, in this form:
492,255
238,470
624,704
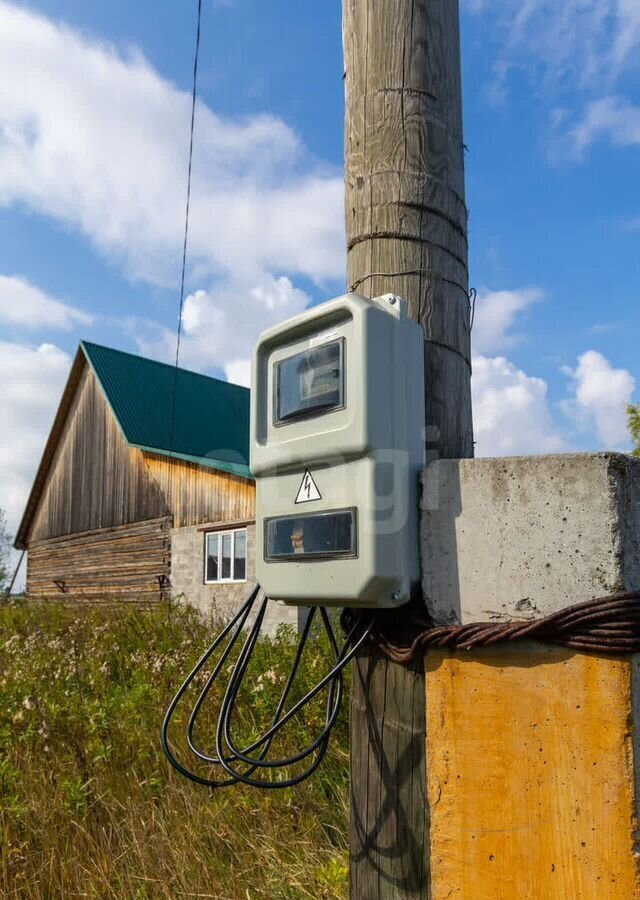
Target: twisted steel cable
609,626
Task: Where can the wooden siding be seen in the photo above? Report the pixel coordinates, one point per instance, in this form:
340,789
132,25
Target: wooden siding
95,479
131,562
197,494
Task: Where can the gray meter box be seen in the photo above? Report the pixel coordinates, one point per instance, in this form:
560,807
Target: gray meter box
337,446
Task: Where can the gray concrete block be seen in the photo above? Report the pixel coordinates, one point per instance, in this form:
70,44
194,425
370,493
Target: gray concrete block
521,537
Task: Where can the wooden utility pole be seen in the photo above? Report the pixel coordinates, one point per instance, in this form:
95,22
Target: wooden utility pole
406,224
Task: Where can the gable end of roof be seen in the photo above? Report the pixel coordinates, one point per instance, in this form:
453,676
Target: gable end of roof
159,409
59,421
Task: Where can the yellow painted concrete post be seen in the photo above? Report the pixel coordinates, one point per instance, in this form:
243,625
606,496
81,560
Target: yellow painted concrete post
533,751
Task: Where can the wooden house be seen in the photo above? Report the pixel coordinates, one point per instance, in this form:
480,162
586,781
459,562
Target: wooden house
144,489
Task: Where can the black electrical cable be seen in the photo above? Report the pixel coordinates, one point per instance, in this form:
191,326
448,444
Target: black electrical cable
196,709
332,679
265,739
319,745
247,650
237,764
223,722
238,621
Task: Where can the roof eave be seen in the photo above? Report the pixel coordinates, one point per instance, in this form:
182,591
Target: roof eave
241,470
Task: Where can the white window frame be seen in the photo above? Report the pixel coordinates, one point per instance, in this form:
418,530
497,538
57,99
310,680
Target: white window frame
220,534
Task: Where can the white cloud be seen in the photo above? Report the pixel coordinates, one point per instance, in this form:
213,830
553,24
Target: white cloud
32,380
584,44
582,50
510,411
627,37
600,395
610,116
220,326
495,315
26,306
238,371
97,139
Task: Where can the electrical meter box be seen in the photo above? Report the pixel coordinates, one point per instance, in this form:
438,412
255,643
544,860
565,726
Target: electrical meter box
337,447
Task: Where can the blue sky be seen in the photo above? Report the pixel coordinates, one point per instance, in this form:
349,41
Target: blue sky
94,109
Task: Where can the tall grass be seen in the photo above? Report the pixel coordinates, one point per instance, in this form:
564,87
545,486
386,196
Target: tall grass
88,805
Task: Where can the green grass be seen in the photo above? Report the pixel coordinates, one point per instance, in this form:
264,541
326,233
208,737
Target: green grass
90,808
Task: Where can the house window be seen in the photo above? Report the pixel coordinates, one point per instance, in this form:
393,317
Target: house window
225,556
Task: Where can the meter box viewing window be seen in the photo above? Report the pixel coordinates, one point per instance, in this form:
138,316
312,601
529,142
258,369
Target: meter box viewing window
337,446
310,382
321,535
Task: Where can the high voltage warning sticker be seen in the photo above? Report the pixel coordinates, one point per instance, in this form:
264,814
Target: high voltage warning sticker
308,489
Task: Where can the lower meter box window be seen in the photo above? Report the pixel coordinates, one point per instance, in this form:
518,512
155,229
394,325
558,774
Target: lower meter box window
312,536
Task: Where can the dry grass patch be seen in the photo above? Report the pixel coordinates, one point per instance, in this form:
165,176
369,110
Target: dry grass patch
89,806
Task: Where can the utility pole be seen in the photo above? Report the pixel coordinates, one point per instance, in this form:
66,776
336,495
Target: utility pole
406,223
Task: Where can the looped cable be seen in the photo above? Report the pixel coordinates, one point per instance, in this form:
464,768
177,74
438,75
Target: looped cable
239,765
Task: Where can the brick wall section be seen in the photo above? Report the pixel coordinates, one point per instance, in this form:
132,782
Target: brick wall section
219,600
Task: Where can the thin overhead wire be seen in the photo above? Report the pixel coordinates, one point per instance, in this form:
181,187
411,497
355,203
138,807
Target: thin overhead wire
194,94
239,765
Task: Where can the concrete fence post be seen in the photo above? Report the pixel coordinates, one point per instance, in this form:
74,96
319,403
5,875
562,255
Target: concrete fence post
533,751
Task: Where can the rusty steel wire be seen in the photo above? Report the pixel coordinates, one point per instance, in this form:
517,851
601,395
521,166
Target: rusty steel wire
607,626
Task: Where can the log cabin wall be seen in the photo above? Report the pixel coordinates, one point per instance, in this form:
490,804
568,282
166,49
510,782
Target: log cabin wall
95,480
126,562
197,494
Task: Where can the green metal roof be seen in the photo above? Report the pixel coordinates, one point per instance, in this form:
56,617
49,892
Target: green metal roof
211,416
